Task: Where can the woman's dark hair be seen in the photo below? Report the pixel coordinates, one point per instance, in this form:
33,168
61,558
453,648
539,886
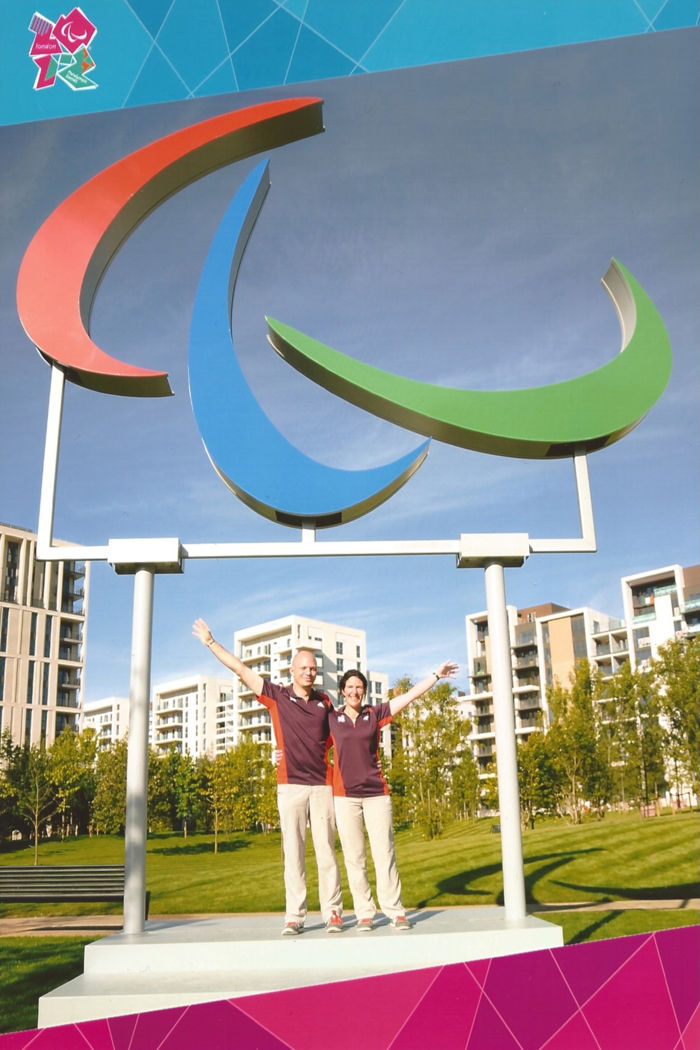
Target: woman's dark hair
351,674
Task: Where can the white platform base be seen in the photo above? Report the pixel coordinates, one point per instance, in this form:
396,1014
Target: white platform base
174,963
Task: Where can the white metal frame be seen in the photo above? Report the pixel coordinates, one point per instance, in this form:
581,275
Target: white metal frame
143,558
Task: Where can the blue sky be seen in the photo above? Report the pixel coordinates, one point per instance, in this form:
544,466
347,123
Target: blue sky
451,224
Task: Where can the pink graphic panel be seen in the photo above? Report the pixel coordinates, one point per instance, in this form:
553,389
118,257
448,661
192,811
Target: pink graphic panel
288,1014
454,998
631,993
531,995
633,1008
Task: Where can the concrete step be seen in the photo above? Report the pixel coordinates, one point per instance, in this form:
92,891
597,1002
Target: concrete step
174,963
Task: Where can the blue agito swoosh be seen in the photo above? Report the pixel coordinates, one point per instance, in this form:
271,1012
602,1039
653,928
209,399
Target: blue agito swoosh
247,451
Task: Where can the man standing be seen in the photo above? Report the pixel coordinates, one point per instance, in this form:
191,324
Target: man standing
300,722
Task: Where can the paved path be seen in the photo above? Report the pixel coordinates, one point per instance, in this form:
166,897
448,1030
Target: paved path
101,925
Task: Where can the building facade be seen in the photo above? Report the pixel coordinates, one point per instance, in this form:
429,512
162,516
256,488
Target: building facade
109,718
194,715
269,649
546,641
660,604
43,626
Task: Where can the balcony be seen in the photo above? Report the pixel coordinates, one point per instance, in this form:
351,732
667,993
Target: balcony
173,720
525,702
529,660
524,641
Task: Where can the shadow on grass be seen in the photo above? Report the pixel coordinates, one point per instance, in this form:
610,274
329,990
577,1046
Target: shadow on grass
587,933
678,890
193,849
197,848
458,885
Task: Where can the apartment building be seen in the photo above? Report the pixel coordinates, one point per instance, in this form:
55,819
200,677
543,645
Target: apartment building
660,604
43,624
194,715
269,649
546,642
109,718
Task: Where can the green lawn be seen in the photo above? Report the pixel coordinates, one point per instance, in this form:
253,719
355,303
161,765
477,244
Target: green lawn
618,858
30,967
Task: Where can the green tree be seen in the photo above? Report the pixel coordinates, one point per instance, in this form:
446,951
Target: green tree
72,769
186,787
631,734
537,778
577,754
30,787
7,818
676,672
435,736
109,803
466,787
396,772
268,814
239,789
160,795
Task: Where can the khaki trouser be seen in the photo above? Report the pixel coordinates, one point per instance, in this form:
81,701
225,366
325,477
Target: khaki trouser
299,804
352,816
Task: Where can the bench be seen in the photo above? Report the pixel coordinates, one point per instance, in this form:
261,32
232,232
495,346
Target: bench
52,883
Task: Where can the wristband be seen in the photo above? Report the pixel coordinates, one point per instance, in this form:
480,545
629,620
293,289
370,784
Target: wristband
437,676
209,644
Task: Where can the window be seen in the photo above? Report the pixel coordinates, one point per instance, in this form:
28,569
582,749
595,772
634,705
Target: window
30,681
339,648
358,652
32,634
9,591
3,629
340,665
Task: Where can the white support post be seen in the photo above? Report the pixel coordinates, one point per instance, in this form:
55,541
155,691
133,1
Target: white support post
506,755
137,755
50,471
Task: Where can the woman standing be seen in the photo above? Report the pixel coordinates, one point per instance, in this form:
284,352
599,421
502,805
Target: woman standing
361,794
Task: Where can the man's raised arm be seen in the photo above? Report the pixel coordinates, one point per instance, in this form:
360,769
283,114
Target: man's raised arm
250,678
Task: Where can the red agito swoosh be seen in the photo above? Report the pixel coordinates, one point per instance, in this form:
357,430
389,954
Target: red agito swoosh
69,253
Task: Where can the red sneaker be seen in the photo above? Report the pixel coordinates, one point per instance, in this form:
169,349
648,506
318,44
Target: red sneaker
335,923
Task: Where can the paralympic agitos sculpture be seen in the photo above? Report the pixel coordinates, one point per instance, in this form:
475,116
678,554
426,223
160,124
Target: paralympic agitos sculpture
55,292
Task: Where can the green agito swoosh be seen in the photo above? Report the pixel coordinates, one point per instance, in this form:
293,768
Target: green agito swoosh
562,419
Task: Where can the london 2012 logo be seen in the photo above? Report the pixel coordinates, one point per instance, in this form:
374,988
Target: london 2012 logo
61,50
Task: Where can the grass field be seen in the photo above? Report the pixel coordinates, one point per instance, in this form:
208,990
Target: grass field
621,858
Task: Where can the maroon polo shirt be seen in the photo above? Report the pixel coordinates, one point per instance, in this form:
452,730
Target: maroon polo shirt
356,771
301,732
